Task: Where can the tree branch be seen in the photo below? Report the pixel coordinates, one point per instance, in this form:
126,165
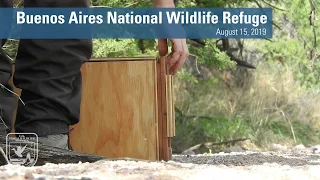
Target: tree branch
312,18
259,5
273,6
208,144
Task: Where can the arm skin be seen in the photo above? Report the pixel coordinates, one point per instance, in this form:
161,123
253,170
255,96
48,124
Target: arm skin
163,3
180,51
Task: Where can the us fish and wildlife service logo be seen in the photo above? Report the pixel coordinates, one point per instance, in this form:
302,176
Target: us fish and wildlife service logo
22,148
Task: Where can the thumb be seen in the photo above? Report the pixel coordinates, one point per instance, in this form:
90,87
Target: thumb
162,47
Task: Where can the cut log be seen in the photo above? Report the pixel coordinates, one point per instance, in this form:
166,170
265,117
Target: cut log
47,154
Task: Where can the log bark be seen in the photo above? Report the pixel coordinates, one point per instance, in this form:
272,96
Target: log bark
47,154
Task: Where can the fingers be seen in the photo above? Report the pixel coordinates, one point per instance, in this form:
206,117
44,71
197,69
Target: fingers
176,51
179,56
162,47
173,58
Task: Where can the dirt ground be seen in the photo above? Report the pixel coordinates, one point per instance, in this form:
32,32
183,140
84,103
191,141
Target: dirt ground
291,164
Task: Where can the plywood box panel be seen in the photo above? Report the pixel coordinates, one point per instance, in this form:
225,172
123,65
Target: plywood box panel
126,109
118,117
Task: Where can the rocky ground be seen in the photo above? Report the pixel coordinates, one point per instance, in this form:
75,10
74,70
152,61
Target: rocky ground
296,163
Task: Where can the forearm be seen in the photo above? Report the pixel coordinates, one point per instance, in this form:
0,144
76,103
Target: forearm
163,3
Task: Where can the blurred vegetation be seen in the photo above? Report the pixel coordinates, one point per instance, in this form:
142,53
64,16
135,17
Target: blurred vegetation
217,99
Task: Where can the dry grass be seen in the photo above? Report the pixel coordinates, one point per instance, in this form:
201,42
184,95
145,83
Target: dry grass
269,101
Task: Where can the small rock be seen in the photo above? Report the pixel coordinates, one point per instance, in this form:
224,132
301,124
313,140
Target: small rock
211,161
315,149
28,175
235,148
38,171
278,147
85,178
188,152
300,146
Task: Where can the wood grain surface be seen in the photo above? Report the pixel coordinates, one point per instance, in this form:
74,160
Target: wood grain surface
164,140
170,107
114,59
118,110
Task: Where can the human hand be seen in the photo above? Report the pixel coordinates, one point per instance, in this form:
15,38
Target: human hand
179,51
178,55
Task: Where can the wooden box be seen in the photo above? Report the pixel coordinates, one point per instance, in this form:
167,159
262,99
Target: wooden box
126,110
